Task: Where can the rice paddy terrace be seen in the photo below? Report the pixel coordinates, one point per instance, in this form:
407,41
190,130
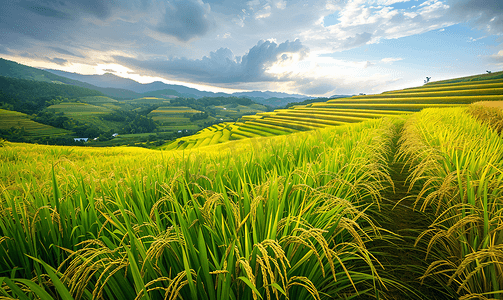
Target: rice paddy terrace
13,119
406,206
459,92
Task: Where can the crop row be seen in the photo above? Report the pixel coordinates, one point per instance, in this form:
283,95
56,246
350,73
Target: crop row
457,162
371,113
359,108
468,86
453,93
138,224
376,106
421,100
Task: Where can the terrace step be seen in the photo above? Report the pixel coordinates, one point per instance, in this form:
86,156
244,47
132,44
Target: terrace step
472,85
472,92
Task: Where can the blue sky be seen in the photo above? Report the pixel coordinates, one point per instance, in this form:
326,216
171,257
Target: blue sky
317,48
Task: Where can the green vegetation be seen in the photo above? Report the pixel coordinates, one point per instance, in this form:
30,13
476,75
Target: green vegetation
358,108
296,216
492,116
393,203
20,127
89,114
470,79
30,96
457,162
208,226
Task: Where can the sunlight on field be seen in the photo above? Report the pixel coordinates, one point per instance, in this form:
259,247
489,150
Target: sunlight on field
366,197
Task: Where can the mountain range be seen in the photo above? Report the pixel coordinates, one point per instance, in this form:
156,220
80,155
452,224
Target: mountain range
109,80
118,87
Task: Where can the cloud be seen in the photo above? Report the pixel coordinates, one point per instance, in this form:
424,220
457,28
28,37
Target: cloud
59,61
222,66
186,19
63,51
56,60
356,41
48,20
362,22
4,50
487,14
497,58
367,64
389,60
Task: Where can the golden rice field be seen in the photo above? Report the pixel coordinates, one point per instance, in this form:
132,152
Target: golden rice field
356,109
315,214
291,216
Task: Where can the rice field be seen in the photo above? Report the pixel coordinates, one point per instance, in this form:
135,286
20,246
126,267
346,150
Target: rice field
79,110
279,206
22,121
129,223
457,161
336,112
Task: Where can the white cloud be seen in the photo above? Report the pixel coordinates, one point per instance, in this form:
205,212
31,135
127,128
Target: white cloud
265,12
391,59
390,2
360,24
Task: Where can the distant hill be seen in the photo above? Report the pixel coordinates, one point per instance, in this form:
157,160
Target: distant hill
155,89
14,70
30,96
123,88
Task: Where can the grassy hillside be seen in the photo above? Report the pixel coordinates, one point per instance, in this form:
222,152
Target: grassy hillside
456,92
480,77
14,70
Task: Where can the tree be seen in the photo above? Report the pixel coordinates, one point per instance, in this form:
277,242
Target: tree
427,80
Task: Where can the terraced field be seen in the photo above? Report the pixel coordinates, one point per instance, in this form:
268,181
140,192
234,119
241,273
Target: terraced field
174,118
149,100
86,114
19,120
334,112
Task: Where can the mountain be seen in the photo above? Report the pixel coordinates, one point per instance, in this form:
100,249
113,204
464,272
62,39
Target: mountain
268,94
109,80
123,88
14,70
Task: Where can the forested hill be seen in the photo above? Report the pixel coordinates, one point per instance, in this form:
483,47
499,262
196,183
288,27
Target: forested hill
30,96
12,69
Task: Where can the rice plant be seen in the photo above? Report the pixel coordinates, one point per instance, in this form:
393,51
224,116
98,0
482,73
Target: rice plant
270,218
457,162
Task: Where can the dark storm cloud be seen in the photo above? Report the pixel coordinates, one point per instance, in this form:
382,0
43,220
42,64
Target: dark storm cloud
487,14
186,19
221,66
48,20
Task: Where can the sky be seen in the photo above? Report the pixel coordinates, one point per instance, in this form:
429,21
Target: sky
316,48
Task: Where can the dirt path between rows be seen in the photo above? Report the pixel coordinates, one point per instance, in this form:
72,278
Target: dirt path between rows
402,261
